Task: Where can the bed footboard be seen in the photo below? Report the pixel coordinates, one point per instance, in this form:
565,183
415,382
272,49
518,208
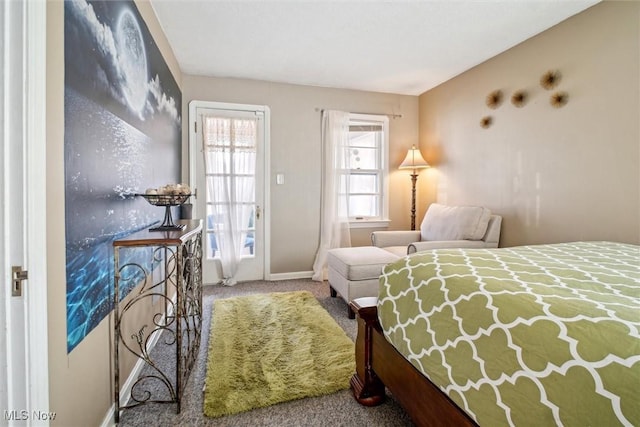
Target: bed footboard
366,386
379,364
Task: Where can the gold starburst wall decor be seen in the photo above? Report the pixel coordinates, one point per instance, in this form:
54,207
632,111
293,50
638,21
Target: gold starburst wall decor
494,99
486,121
519,98
559,99
550,79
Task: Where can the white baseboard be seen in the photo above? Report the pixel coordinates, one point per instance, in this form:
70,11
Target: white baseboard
290,276
125,390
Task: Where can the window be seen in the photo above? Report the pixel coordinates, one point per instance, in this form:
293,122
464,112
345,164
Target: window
366,184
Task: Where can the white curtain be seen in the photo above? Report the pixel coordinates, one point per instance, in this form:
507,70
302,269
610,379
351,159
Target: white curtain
334,216
230,160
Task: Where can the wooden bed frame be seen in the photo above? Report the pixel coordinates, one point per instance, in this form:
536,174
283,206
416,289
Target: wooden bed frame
379,364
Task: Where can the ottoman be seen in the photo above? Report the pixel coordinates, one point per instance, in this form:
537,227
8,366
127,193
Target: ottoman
354,272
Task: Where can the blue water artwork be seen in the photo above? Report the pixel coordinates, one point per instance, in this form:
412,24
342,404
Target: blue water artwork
122,135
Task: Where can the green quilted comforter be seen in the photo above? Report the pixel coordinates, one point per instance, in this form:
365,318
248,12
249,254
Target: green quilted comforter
526,336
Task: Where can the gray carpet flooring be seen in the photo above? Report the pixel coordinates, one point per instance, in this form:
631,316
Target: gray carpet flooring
338,409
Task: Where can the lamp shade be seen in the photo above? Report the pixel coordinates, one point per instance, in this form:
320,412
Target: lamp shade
414,160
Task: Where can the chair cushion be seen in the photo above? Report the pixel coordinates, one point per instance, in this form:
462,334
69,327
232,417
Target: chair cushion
454,222
399,251
359,263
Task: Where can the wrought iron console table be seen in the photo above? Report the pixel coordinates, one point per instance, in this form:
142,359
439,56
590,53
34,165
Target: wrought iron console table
172,303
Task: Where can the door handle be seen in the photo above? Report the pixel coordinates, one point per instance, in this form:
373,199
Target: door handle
17,276
258,212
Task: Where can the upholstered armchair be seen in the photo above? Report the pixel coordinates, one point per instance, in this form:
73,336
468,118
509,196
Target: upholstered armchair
444,227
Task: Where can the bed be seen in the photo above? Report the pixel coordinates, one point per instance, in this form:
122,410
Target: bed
530,335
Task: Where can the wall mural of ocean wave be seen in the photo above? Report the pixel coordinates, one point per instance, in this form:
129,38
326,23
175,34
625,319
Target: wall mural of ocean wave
122,135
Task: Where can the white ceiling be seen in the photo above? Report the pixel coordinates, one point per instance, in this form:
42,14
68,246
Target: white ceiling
404,47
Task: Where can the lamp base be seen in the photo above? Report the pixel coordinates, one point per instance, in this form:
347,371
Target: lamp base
414,180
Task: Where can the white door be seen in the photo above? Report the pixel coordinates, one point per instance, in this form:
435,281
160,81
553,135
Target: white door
24,387
253,264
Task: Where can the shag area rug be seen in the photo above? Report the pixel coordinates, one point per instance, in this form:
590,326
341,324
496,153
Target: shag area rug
270,348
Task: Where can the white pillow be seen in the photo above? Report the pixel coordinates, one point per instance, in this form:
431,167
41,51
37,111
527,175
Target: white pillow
454,222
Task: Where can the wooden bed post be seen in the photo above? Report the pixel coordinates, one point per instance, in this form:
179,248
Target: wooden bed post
367,388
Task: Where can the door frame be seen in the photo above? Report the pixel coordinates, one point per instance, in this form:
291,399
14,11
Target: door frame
194,150
24,66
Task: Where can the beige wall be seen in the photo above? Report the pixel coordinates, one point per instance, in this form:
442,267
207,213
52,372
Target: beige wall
555,174
564,174
80,382
296,149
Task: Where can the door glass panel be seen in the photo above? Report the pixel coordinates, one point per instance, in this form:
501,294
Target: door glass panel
230,181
